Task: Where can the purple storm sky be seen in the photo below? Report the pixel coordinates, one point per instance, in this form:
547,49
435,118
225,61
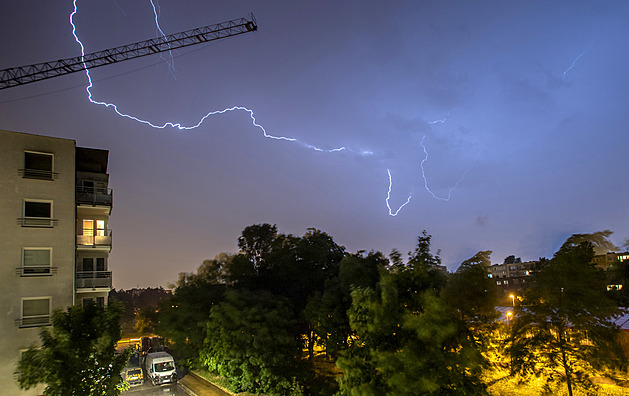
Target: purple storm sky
527,100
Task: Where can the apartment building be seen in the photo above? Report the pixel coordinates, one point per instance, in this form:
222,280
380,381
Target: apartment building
513,276
54,237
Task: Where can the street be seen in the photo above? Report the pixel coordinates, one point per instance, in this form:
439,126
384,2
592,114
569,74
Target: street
147,389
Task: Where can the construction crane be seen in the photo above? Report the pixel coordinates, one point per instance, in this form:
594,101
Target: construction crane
27,74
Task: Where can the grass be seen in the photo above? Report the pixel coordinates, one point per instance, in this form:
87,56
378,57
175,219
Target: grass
511,387
220,382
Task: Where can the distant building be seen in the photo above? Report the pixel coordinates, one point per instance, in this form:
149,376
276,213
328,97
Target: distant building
605,261
55,204
514,276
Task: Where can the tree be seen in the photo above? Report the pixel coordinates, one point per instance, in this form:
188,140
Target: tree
563,328
327,312
471,293
599,240
408,340
182,317
146,320
77,355
249,341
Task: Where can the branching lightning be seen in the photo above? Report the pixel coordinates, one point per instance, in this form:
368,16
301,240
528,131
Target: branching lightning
563,75
391,212
447,198
179,126
176,124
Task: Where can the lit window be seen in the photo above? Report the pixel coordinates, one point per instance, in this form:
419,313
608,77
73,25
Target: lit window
100,227
88,228
36,261
35,312
498,283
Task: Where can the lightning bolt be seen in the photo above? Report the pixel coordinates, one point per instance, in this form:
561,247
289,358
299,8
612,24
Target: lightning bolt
435,196
176,124
563,75
179,126
441,121
391,212
170,61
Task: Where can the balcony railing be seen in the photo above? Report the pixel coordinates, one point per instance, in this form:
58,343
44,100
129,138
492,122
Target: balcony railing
33,321
93,238
93,279
39,174
43,270
42,222
94,196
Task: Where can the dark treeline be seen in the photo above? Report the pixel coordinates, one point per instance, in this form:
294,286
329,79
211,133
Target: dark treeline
393,325
140,306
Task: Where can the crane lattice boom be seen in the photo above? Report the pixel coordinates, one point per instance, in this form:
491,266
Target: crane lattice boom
27,74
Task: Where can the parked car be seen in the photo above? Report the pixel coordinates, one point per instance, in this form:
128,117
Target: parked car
132,373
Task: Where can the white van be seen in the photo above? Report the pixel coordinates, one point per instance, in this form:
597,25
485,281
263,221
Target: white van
160,368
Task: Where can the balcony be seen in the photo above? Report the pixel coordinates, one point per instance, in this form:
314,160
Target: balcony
94,239
39,174
43,270
94,196
93,280
33,321
40,222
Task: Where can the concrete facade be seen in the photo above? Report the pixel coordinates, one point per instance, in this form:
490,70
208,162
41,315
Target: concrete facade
38,242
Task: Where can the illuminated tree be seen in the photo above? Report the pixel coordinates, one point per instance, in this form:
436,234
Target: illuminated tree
77,355
249,341
563,329
409,341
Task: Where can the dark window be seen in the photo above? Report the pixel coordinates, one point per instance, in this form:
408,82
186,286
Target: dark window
38,166
88,264
37,209
38,161
100,264
100,301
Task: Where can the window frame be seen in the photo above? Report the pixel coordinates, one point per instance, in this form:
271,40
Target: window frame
34,221
44,320
39,270
39,174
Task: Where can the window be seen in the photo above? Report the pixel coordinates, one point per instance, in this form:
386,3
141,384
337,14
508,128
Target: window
99,301
89,230
88,264
36,261
498,283
38,166
37,213
35,312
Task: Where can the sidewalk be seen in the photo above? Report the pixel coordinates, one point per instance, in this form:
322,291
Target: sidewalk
198,386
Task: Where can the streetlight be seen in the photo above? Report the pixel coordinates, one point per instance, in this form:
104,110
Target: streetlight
512,299
509,313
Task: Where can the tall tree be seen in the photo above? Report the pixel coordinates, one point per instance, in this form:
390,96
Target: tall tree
77,355
182,317
563,329
249,341
408,342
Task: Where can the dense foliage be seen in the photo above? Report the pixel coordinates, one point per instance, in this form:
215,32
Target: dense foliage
393,326
77,355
